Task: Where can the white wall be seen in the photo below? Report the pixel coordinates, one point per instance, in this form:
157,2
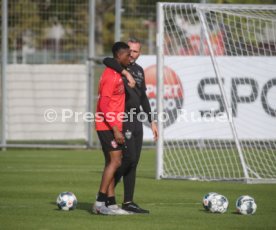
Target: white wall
32,89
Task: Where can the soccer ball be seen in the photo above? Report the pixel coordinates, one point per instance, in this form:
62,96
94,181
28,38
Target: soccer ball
246,205
206,199
67,201
218,203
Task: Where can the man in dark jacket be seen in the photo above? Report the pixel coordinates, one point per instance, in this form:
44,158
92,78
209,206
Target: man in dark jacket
132,128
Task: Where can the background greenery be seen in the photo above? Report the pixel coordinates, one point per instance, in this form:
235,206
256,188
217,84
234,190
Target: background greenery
35,16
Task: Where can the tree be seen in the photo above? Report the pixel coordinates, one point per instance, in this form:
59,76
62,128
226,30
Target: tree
19,22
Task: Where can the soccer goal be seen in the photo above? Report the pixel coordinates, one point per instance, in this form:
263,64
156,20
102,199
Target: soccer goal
216,69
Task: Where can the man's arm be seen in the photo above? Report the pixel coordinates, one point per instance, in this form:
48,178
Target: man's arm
144,99
146,108
113,64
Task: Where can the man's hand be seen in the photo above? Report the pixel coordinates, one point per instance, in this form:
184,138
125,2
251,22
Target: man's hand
154,130
131,81
119,137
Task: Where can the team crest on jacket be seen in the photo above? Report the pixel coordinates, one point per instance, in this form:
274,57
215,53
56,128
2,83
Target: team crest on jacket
128,134
114,144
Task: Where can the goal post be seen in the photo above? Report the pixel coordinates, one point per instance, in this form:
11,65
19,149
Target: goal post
216,84
160,80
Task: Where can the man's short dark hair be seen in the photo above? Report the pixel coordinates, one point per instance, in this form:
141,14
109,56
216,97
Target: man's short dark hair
118,46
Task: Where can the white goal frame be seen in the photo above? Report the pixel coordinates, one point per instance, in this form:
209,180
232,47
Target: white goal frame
201,10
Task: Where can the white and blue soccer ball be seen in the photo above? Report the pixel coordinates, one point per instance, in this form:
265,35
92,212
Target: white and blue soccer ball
67,201
206,199
218,203
246,205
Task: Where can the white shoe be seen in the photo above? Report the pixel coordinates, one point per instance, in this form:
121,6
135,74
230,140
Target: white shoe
100,208
117,210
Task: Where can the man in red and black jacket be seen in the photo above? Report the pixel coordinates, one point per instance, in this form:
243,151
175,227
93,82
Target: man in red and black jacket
132,129
111,103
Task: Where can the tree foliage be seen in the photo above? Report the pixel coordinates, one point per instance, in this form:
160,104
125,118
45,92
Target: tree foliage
33,18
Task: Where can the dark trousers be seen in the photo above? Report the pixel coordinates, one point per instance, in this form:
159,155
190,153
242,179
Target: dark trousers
133,132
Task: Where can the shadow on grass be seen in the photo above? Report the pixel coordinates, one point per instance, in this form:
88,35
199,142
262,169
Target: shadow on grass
55,206
203,210
85,206
235,213
80,206
208,212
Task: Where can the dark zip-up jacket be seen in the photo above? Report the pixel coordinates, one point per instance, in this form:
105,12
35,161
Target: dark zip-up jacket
135,97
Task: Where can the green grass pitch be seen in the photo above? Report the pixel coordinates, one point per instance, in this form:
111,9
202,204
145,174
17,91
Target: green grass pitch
30,181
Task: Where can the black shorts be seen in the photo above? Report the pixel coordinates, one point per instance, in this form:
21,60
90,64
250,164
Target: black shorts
108,142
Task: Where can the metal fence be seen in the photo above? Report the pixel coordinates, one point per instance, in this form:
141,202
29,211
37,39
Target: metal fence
56,32
45,48
62,32
47,32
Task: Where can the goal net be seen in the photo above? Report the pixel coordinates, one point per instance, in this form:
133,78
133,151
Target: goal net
216,71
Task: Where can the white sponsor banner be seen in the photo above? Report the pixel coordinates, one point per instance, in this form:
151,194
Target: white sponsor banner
251,80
